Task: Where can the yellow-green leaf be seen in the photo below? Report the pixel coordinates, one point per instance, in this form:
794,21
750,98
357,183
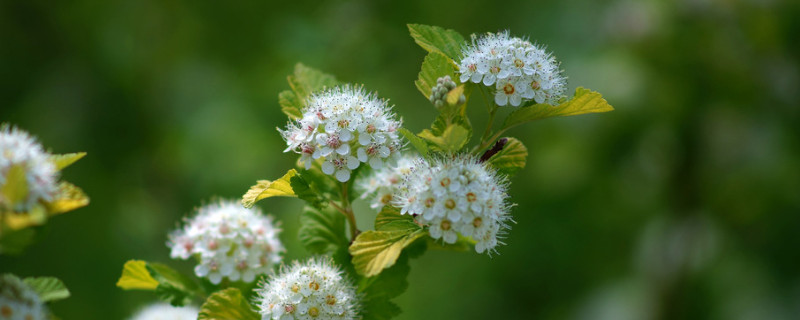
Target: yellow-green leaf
452,139
434,66
378,249
15,190
36,215
228,304
420,145
305,81
436,39
68,198
511,158
48,288
584,101
65,160
136,277
290,104
266,189
454,95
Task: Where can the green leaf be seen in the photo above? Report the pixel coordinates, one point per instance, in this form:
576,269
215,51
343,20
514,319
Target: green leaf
48,288
135,276
377,291
434,66
378,249
228,304
69,197
290,104
322,231
584,101
389,214
463,244
65,160
266,189
420,145
15,241
306,192
453,138
15,189
511,158
306,81
173,287
436,39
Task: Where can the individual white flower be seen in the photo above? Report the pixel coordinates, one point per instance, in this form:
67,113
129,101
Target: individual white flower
18,148
229,241
502,62
345,126
315,289
455,195
19,301
164,311
384,183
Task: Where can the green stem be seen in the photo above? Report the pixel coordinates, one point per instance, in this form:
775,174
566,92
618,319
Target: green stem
492,107
347,210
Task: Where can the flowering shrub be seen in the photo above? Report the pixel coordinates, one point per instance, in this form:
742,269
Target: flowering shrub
429,189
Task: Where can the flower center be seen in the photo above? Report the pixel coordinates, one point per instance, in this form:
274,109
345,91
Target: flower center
224,229
334,142
372,150
471,197
477,222
6,312
313,285
313,311
320,115
371,128
289,308
429,202
494,69
386,199
445,225
295,288
212,245
344,123
445,182
508,89
519,63
307,149
242,265
450,204
330,300
473,67
535,85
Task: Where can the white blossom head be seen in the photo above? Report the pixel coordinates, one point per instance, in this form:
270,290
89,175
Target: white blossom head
383,184
518,70
229,241
18,149
164,311
455,195
19,301
345,126
315,289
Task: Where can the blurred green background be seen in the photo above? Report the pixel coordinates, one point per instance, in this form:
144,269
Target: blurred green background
684,203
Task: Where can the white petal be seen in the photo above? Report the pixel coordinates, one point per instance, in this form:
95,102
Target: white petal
215,278
516,100
501,99
376,163
364,139
476,77
343,175
362,155
450,236
327,167
352,162
343,149
489,79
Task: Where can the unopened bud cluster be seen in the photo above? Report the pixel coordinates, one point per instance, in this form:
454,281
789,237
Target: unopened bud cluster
457,195
19,301
164,311
383,184
344,126
439,92
518,70
315,289
18,149
229,241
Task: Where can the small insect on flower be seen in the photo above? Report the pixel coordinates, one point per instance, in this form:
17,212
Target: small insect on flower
457,195
314,289
516,69
345,126
21,154
19,301
164,311
229,241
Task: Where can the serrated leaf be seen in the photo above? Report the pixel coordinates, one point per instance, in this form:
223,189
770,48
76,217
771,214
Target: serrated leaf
135,276
307,80
266,189
418,143
584,101
15,188
173,287
290,104
322,231
434,66
228,304
48,288
452,139
69,197
511,158
306,192
390,214
436,39
455,94
377,291
378,249
65,160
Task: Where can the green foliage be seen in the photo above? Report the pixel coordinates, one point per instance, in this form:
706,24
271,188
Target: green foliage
15,189
64,160
418,143
379,290
68,197
453,138
228,304
378,249
266,189
322,231
437,39
15,241
48,288
511,158
304,81
135,276
584,101
463,244
435,66
173,287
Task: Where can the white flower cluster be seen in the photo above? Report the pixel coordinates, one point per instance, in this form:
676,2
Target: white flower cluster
457,195
229,241
164,311
18,148
384,183
519,70
315,289
345,126
18,301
